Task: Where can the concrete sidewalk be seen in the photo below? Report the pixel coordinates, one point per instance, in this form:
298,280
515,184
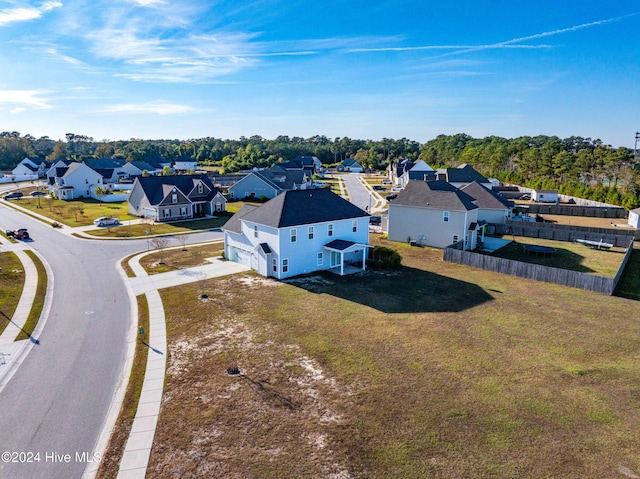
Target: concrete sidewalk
135,458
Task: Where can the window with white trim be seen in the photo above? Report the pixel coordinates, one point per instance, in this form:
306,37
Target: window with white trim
183,211
310,232
255,231
354,225
319,259
275,265
455,238
167,212
174,198
330,229
285,265
445,216
200,188
294,235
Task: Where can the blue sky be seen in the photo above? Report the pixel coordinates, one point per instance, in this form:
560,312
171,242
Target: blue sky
155,69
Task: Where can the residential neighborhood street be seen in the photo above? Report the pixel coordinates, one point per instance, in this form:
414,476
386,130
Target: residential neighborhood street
56,403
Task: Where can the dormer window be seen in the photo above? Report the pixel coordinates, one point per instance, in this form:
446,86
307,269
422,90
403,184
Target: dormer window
174,198
200,188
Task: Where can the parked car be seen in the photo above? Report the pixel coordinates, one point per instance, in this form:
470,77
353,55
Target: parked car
19,234
386,182
379,188
392,197
396,188
106,221
12,196
375,220
38,193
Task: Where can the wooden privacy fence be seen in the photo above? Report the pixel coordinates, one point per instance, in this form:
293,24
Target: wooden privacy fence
618,238
590,211
538,272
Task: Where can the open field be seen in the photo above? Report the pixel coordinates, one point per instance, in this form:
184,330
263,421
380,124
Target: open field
11,284
80,212
436,370
571,256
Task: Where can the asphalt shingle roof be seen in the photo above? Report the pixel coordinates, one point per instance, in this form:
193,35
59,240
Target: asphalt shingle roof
303,207
156,187
486,198
435,194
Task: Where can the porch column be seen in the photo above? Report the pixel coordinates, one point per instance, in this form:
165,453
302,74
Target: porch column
341,263
364,259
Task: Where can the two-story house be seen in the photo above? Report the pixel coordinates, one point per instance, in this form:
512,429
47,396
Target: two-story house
299,232
170,198
268,183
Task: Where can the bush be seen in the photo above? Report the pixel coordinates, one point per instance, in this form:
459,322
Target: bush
384,258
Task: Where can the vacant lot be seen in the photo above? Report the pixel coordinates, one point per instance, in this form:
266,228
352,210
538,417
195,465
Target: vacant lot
571,256
436,370
179,258
140,229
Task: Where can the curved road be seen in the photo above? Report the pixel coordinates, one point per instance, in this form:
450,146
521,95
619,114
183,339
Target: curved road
56,403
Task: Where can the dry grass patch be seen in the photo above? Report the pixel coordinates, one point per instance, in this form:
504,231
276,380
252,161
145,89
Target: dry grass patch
437,370
180,258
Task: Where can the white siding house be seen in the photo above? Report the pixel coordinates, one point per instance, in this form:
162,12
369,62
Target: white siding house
544,196
299,232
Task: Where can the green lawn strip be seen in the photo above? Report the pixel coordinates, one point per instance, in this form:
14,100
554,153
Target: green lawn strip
571,256
12,279
79,212
110,464
438,370
38,302
141,229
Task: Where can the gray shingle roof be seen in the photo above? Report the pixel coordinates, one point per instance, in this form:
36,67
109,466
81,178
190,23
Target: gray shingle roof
303,207
155,187
464,174
234,224
486,198
435,194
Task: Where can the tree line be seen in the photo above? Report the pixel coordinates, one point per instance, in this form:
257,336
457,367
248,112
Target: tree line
577,166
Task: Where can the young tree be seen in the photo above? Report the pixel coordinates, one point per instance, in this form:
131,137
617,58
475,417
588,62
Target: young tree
160,243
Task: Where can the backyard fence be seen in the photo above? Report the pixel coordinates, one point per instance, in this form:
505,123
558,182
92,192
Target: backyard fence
547,274
589,211
619,238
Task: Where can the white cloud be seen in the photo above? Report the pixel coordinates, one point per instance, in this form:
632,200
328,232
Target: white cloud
23,14
156,107
149,3
25,98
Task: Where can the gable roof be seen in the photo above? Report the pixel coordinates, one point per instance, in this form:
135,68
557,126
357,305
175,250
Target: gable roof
349,162
142,166
234,224
280,178
157,187
105,172
485,198
104,163
463,174
304,207
434,194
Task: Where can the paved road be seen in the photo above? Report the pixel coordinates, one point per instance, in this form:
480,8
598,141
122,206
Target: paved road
56,403
358,194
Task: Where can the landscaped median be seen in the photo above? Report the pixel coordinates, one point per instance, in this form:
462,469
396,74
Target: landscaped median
433,370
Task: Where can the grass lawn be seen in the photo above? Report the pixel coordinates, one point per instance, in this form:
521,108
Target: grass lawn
11,284
629,285
140,229
110,463
571,256
173,259
38,302
64,211
437,370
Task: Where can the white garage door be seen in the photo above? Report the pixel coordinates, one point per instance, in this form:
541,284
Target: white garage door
244,257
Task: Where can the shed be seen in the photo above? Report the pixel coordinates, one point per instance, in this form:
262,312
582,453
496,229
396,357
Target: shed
634,218
544,196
